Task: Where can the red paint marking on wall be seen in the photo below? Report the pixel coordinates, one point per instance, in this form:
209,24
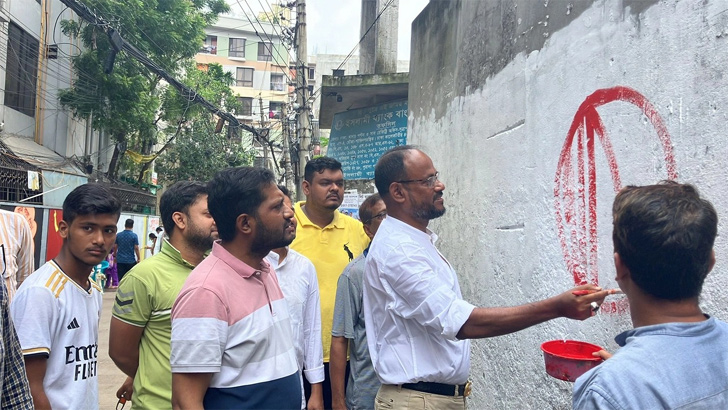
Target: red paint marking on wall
576,203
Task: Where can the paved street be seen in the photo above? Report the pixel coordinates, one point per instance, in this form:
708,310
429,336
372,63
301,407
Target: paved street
110,377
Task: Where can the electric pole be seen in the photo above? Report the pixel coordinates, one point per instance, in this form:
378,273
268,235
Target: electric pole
303,111
287,171
264,134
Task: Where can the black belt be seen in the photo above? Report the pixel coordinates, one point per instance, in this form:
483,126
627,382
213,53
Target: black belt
438,388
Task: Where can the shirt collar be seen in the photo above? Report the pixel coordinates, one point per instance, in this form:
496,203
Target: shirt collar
402,226
682,329
303,220
242,268
173,253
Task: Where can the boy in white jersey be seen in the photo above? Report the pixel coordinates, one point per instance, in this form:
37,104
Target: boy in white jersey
57,309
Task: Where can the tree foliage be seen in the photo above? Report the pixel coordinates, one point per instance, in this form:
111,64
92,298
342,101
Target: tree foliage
196,152
128,103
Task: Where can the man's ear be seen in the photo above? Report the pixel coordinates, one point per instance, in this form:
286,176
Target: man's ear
306,187
245,223
179,220
712,260
622,269
63,229
397,192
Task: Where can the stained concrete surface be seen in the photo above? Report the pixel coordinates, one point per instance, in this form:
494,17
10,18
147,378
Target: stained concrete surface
110,377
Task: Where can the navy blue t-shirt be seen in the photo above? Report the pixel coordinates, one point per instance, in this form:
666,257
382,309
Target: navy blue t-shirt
125,241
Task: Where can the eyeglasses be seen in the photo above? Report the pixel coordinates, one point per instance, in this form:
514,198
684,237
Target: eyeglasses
379,216
429,182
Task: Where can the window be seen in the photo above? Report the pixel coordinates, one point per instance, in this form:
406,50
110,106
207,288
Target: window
274,109
244,77
265,51
338,73
311,73
246,104
21,70
210,45
237,48
276,82
310,90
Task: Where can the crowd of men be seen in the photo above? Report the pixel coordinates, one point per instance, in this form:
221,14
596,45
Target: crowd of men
253,302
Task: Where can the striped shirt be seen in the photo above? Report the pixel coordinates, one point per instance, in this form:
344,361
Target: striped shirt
58,319
232,320
17,250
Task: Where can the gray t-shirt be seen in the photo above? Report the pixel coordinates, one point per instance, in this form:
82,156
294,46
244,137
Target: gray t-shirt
349,323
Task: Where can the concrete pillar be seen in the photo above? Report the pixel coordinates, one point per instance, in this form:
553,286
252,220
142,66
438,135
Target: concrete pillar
386,45
367,46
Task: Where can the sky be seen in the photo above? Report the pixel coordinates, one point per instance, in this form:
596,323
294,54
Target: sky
333,25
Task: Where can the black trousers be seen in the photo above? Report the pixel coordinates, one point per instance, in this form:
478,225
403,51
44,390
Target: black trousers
326,385
124,268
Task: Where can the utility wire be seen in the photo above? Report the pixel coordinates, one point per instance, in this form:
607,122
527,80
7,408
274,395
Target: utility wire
118,43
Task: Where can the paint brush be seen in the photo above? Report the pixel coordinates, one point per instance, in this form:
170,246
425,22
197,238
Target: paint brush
583,292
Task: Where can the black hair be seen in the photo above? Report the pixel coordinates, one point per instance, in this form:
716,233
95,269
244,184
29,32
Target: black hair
152,235
233,192
129,223
390,168
319,165
159,229
285,191
90,199
664,235
178,198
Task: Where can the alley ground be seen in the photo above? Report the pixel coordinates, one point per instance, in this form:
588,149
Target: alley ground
110,377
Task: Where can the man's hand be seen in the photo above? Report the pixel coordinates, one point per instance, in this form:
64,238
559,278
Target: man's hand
339,404
577,303
603,354
316,401
126,390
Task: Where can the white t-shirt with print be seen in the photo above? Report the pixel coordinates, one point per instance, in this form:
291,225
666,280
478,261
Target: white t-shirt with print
57,318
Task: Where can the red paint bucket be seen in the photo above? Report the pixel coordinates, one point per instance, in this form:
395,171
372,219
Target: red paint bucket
569,359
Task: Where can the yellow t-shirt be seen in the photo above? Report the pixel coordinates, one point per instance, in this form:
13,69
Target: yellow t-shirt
330,249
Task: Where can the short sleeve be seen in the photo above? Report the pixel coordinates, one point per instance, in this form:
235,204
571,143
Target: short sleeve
34,312
344,309
199,332
133,303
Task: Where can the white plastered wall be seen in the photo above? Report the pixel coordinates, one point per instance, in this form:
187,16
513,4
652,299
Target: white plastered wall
498,147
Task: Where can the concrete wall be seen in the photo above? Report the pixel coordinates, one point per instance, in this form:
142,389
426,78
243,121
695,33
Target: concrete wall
497,88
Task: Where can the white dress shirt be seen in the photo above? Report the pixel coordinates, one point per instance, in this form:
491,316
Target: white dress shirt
298,281
413,309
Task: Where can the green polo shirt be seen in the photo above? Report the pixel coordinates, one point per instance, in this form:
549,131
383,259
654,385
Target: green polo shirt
144,299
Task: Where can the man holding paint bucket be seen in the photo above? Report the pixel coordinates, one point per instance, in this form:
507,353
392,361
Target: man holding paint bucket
416,319
675,357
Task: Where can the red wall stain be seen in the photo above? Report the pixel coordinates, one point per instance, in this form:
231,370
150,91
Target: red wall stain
575,185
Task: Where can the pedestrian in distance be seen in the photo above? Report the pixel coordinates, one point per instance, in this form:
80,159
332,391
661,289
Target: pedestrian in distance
57,309
329,239
232,342
126,251
297,278
348,333
675,356
417,323
141,325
